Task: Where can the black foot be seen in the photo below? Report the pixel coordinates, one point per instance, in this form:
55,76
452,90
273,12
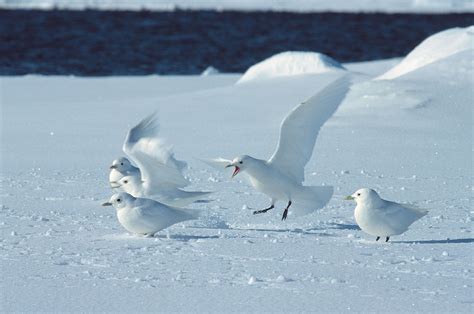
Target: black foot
263,210
285,212
387,238
378,238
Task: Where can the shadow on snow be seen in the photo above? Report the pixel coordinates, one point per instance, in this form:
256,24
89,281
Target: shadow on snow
446,241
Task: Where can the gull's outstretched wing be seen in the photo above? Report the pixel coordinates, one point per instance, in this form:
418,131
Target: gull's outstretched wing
299,130
155,159
217,163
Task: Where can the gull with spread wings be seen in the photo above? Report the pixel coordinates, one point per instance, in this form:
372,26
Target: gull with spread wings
159,175
281,177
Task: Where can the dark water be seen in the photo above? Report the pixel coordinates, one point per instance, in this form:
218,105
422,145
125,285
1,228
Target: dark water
186,42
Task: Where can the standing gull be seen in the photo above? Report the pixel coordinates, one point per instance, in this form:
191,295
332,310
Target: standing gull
160,175
146,216
281,177
382,218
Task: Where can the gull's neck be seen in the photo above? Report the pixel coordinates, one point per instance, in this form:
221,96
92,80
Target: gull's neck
373,202
256,166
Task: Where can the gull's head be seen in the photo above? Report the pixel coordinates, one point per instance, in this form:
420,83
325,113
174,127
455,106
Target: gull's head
119,200
363,196
240,163
128,181
121,164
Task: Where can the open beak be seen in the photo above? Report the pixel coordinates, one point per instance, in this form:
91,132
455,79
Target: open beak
113,167
236,170
114,184
107,204
349,198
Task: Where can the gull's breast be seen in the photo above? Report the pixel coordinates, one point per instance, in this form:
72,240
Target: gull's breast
374,222
133,222
271,183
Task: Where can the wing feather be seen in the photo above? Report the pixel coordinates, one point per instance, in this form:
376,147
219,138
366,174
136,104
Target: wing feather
156,160
217,163
299,130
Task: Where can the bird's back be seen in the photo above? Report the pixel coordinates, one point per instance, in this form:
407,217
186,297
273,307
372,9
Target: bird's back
388,218
148,216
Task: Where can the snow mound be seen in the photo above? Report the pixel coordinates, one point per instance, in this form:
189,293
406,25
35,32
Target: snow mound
210,70
291,63
433,48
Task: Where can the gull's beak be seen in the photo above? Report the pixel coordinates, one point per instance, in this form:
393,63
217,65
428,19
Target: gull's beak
113,167
349,198
236,170
114,184
107,204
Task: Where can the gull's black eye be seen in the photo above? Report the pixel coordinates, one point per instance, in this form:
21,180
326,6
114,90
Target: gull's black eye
121,163
358,194
241,162
125,181
118,200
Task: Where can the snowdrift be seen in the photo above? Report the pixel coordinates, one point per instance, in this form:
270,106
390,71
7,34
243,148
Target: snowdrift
210,70
435,47
291,63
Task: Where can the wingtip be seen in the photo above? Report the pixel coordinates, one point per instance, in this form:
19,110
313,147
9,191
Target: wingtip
147,127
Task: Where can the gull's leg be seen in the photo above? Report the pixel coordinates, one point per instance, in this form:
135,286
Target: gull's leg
263,210
285,212
378,238
387,238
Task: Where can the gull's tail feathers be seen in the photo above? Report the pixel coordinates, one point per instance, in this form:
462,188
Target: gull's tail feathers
419,212
310,198
188,213
180,198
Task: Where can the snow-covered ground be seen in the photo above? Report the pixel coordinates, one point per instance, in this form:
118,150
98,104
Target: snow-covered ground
390,6
410,138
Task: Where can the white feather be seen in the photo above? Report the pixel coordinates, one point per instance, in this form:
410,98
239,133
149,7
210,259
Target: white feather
156,161
300,128
217,163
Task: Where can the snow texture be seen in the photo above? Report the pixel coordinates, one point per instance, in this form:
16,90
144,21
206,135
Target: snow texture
435,47
406,6
291,63
410,138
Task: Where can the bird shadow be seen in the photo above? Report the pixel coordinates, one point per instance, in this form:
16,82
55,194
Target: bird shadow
183,237
310,231
445,241
343,226
203,201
